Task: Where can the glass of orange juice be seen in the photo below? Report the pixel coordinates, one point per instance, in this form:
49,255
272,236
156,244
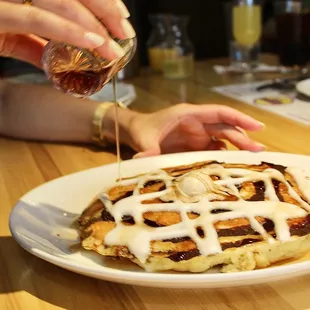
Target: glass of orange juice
246,28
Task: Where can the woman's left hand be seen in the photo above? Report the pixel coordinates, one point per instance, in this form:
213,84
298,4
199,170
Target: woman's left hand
187,127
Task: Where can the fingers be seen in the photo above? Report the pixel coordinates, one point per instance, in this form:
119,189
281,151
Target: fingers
217,145
227,115
148,144
234,136
23,47
213,114
75,11
24,19
120,28
71,10
113,14
111,8
148,153
88,16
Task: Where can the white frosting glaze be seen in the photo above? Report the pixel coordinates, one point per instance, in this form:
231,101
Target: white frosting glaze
302,178
199,184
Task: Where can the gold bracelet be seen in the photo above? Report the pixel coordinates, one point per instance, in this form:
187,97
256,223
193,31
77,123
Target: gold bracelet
97,122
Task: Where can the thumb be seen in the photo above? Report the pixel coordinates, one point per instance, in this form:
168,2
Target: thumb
149,144
23,47
150,152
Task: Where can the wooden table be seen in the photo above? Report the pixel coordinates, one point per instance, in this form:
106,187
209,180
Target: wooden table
29,283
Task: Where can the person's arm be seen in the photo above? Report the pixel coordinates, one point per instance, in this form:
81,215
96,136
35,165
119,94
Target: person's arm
42,113
45,114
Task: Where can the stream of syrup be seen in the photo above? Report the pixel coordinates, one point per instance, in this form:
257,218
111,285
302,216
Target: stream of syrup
116,122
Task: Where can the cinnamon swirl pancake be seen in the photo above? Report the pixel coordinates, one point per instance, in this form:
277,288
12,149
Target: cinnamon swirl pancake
191,218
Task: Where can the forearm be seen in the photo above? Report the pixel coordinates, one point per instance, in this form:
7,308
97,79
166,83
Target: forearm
42,113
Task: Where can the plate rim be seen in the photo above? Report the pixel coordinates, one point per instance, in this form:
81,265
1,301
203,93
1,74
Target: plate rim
300,87
116,275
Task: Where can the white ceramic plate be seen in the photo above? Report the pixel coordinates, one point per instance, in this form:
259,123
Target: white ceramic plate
125,92
40,222
303,87
29,78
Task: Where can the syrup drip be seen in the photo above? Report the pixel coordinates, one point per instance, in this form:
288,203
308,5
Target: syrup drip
139,236
118,152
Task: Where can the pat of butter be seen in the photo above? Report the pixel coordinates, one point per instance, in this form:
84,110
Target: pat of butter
192,186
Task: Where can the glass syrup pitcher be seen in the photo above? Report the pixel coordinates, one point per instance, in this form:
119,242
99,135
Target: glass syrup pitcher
82,72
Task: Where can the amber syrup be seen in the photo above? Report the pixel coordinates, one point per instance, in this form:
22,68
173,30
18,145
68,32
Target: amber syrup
80,83
116,122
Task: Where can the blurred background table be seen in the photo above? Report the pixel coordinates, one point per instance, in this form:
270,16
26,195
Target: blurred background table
29,283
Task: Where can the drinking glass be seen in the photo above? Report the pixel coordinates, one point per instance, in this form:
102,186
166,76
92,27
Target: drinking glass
247,28
242,58
292,25
156,42
81,72
169,48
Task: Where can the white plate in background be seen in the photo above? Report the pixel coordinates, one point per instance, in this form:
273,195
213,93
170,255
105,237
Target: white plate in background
303,87
125,92
30,78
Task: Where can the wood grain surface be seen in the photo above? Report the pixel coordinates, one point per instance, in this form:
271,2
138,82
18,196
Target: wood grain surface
29,283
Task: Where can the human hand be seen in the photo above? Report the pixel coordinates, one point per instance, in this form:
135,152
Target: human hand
22,27
186,127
